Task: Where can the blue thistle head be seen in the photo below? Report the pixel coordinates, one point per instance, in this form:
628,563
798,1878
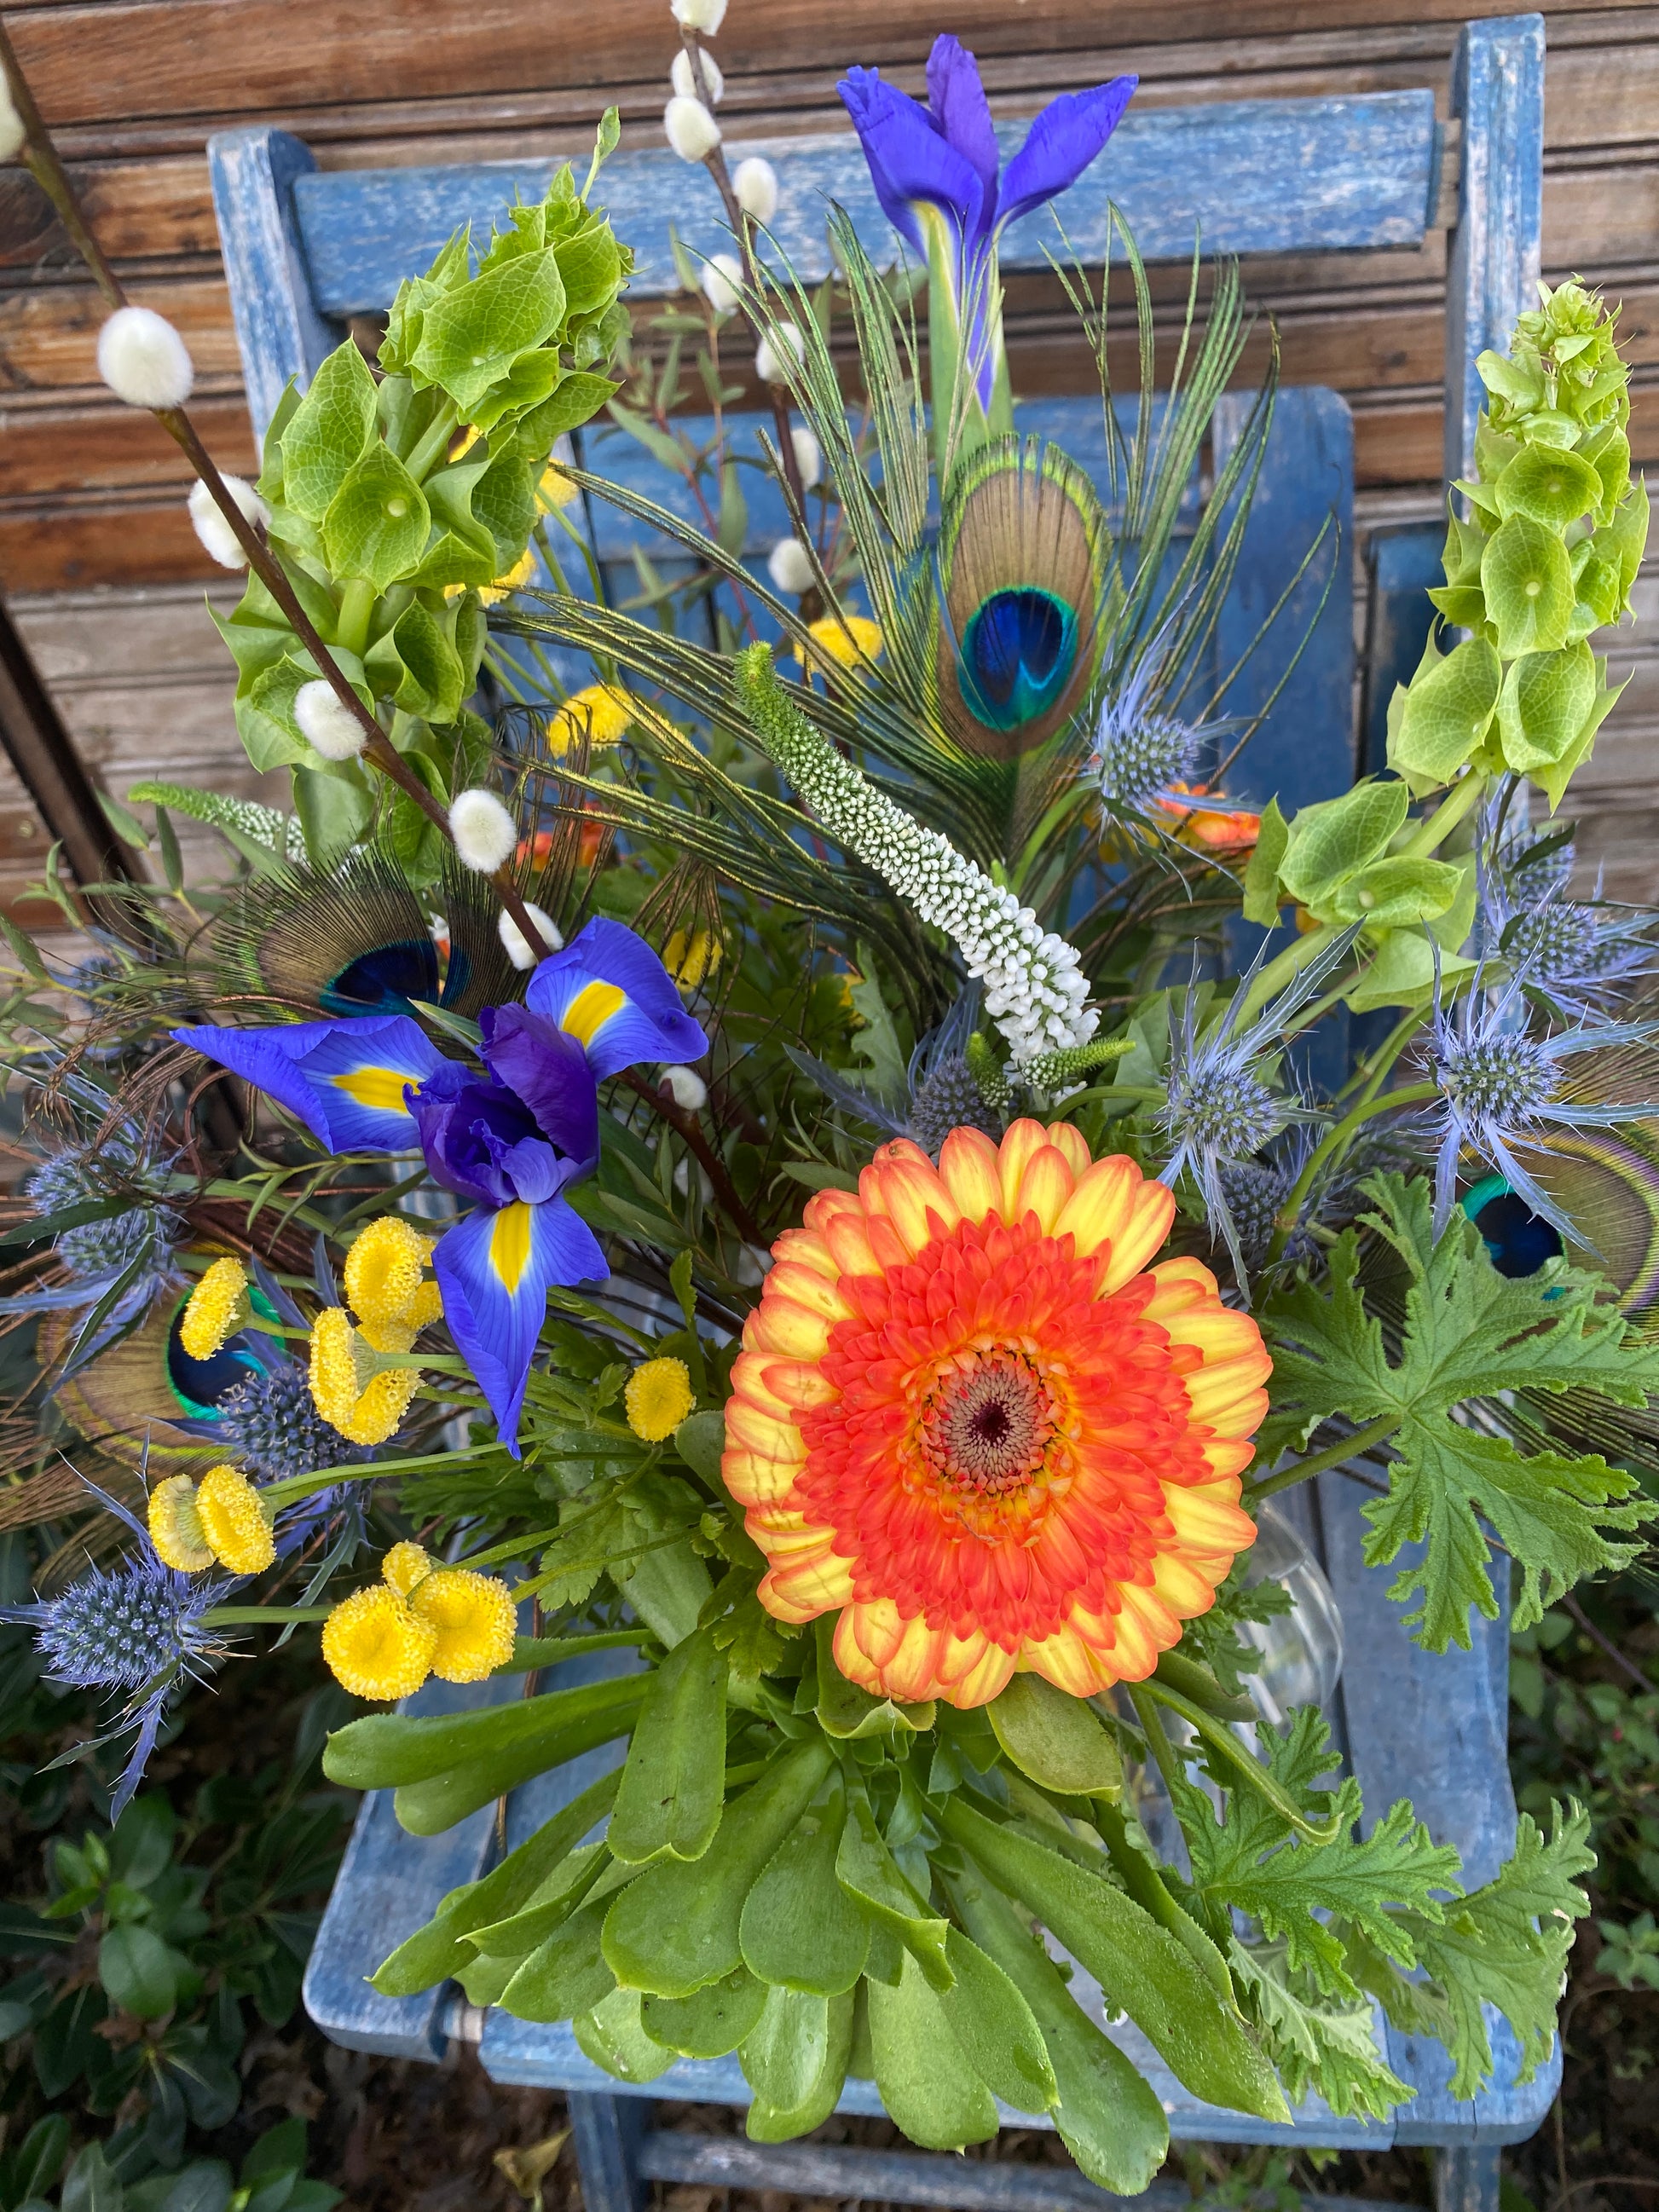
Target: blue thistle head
271,1428
124,1163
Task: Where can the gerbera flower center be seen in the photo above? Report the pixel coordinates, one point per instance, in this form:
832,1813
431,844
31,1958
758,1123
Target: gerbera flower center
987,1424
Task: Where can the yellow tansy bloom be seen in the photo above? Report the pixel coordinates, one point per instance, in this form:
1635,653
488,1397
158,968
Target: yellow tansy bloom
363,1406
376,1646
601,712
216,1308
691,955
474,1617
658,1399
850,644
519,575
383,1272
175,1525
234,1521
556,489
404,1565
426,1307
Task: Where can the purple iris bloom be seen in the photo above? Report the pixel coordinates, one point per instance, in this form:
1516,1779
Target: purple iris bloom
941,163
525,1131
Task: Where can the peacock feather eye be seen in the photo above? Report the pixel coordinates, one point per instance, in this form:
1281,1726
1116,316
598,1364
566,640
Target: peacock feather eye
1018,652
386,981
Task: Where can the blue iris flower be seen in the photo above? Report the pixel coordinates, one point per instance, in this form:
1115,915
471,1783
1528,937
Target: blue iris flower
937,174
512,1138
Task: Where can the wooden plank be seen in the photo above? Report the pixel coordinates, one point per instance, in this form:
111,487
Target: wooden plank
53,547
280,334
134,208
109,447
48,334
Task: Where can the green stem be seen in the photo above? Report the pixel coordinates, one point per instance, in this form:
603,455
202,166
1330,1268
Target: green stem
251,1616
1336,1455
1435,828
1370,1074
293,1486
1283,970
1250,1769
434,446
356,606
1333,1143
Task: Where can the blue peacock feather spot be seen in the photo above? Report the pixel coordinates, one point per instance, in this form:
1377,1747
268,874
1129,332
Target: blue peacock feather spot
389,980
1017,654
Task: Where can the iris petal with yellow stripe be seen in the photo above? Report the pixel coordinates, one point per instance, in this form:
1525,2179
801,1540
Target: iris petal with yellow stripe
609,990
494,1269
344,1080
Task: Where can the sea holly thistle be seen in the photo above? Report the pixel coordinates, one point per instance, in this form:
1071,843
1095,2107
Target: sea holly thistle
1469,1334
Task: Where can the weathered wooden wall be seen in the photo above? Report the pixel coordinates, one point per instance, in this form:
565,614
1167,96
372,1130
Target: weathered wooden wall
96,552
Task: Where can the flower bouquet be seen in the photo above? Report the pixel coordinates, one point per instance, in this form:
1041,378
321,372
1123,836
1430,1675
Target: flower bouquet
760,1164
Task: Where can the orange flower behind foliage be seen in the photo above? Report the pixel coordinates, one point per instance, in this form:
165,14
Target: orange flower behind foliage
969,1418
1232,832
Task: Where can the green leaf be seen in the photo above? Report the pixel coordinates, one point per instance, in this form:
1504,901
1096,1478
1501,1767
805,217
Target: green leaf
1261,870
1143,1969
1395,892
795,2058
548,1905
1551,487
1528,580
799,1928
1446,714
124,822
711,2022
847,1711
1107,2114
1555,780
869,1875
378,522
575,399
876,1041
1470,1333
1056,1739
1329,2050
1545,700
566,1975
926,2080
674,1784
471,336
328,431
1335,838
139,1973
993,2024
614,2036
90,2185
415,666
23,950
675,1927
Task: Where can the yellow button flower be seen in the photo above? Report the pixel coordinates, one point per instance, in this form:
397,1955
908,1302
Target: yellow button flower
175,1525
404,1565
600,712
216,1308
848,643
658,1399
521,573
366,1404
234,1521
556,489
383,1272
376,1646
691,955
474,1618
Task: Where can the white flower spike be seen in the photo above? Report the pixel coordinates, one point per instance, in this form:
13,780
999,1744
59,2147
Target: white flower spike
769,364
324,724
144,360
486,836
756,184
704,16
790,567
686,78
210,526
722,274
519,950
692,130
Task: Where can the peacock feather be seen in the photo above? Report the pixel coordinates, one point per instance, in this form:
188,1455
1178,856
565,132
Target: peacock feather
137,1392
1022,577
1608,1186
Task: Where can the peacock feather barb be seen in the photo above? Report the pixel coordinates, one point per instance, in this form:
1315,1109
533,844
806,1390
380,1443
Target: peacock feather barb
1035,989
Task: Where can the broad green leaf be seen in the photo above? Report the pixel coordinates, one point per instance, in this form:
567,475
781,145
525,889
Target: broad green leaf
926,2080
1402,969
264,714
700,1440
504,500
1396,890
1056,1739
1551,487
799,1928
795,2058
1626,536
436,1951
868,1870
471,336
567,1974
378,522
668,1589
994,2025
711,2022
1107,2115
1607,452
1545,700
590,267
91,2185
547,1906
1322,2048
613,2036
1261,870
1469,1333
1447,712
1143,1969
1554,780
1528,580
674,1783
335,805
675,1927
575,399
139,1973
1336,837
330,427
1522,383
415,666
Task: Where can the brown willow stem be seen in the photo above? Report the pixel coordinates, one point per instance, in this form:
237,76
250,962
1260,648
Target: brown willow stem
40,156
685,1125
714,162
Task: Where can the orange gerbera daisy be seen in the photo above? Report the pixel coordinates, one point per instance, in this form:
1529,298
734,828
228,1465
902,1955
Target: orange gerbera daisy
970,1418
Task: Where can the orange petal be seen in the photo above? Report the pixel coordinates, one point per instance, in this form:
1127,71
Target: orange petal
810,1286
1213,1392
1102,1204
1208,1518
749,1382
756,1481
877,1627
1044,1187
1069,1144
806,1248
1023,1141
798,1382
780,1325
1182,1284
1072,1662
847,1237
1234,1455
916,1200
1148,1225
971,1172
1182,1585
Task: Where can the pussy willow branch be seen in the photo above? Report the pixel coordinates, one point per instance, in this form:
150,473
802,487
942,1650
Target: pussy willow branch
714,162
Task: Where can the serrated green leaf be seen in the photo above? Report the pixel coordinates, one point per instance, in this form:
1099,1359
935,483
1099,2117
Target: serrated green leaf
1325,2049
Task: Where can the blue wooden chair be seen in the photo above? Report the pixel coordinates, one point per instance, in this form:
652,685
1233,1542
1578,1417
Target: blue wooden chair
307,248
